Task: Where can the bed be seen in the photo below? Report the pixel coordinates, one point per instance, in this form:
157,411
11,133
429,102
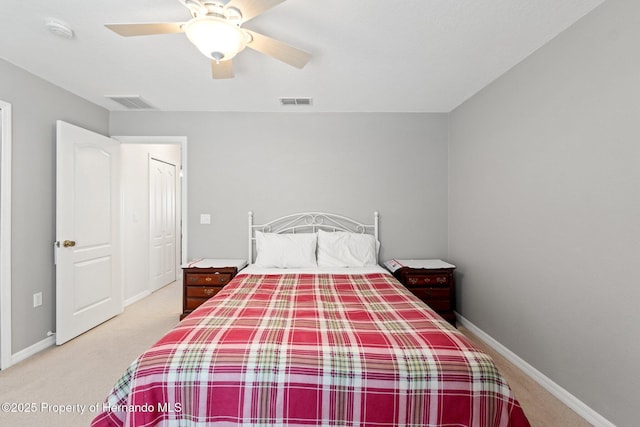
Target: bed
312,333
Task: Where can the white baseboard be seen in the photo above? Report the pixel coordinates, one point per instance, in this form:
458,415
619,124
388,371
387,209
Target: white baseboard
136,298
51,341
33,349
560,393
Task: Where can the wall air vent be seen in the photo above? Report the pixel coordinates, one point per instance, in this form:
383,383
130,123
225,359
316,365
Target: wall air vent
131,102
295,101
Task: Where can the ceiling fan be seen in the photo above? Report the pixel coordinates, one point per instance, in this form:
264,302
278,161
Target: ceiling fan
215,28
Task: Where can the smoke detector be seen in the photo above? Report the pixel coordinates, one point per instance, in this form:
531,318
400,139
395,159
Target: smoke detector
58,28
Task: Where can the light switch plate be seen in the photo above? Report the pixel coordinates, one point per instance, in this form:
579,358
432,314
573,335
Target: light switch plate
37,299
205,218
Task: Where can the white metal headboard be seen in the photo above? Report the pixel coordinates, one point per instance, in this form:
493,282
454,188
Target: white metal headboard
310,222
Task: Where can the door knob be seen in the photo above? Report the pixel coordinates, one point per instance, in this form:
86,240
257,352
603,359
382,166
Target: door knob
68,243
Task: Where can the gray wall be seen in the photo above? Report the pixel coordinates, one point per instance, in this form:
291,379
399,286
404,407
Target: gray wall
277,164
544,209
36,105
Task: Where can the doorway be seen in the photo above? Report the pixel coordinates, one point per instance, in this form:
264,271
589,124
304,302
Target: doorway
141,253
5,235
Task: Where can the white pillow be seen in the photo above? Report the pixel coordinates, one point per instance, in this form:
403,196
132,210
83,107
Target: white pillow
286,250
344,249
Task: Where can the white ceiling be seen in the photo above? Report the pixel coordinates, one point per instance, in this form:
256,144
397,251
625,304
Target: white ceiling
368,55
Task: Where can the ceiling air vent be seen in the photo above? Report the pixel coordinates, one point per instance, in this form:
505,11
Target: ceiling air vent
295,101
132,102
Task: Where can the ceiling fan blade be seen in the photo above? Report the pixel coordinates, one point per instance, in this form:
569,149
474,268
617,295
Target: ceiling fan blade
222,69
278,50
148,29
252,8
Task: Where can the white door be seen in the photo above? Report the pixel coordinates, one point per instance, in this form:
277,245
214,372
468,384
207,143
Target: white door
88,285
162,223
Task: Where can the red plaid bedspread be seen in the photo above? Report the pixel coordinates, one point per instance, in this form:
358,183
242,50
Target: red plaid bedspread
312,350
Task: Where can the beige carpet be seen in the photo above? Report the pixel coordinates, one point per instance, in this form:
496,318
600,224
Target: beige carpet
540,406
83,371
60,382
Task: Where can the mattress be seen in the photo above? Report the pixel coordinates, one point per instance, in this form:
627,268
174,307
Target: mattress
347,347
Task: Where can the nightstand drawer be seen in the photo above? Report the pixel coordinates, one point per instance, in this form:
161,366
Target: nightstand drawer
422,280
439,305
208,279
202,291
193,303
431,293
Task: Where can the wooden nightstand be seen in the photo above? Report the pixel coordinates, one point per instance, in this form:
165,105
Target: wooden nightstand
202,279
431,280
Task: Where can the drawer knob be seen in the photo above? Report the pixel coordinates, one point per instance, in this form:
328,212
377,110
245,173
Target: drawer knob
208,279
208,291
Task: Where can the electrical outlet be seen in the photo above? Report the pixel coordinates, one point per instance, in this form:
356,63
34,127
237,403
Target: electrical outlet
37,299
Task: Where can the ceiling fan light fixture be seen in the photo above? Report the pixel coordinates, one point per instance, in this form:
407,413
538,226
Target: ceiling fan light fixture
215,37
